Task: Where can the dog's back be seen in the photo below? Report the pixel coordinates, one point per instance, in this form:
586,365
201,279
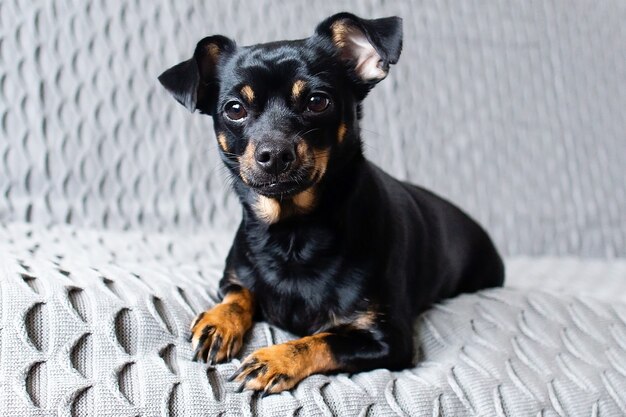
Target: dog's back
431,247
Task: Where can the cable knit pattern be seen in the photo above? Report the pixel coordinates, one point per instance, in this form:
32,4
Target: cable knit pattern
96,323
514,110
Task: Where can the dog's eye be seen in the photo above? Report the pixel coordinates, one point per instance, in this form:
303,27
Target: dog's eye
317,103
234,110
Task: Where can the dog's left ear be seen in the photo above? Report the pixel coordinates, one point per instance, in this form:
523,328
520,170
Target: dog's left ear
193,83
369,46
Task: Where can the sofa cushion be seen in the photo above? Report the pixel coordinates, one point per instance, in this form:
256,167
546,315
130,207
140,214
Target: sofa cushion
96,322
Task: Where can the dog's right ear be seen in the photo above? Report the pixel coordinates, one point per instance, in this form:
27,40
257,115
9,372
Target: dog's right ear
368,46
193,83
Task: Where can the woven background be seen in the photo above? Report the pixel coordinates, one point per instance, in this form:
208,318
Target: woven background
512,109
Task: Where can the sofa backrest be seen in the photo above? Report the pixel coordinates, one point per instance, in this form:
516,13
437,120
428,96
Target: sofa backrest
513,110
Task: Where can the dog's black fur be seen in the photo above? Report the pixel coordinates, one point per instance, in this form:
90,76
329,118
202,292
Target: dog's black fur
359,246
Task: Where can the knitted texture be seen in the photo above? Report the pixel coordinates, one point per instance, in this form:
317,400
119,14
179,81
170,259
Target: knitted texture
513,109
95,323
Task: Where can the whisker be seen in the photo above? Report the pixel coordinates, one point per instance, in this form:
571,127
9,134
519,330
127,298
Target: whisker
320,73
371,131
320,155
309,131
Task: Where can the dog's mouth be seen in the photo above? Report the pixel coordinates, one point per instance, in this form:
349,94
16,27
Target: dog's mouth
278,188
282,185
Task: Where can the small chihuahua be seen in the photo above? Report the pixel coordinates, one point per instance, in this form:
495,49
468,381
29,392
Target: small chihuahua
330,247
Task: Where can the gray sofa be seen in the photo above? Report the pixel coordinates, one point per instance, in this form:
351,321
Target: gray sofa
115,217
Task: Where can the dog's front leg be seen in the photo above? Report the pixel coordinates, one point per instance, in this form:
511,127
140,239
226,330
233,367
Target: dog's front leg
280,367
217,334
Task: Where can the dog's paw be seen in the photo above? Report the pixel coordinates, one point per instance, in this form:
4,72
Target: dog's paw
271,369
217,334
280,367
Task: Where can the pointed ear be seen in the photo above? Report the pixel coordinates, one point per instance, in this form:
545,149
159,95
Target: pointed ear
193,83
370,46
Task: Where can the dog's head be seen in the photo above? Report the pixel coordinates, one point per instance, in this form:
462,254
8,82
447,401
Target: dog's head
284,111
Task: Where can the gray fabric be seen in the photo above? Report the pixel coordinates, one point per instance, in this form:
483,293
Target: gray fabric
575,276
95,323
514,110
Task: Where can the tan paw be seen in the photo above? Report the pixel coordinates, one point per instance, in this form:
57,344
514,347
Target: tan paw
217,334
280,367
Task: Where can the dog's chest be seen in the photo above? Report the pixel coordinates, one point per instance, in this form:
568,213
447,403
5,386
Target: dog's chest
302,283
304,304
293,315
300,312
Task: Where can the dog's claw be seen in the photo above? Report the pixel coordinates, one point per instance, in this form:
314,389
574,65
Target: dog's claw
197,320
236,374
254,373
215,347
268,389
199,348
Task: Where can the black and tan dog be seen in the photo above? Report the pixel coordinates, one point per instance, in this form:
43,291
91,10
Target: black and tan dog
330,247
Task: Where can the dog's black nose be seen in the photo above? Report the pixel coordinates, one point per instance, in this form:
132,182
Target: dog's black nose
274,158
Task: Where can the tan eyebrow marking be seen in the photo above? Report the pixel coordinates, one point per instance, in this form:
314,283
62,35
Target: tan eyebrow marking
297,89
248,93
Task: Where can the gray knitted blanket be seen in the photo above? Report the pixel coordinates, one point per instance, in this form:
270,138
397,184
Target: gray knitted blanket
95,323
